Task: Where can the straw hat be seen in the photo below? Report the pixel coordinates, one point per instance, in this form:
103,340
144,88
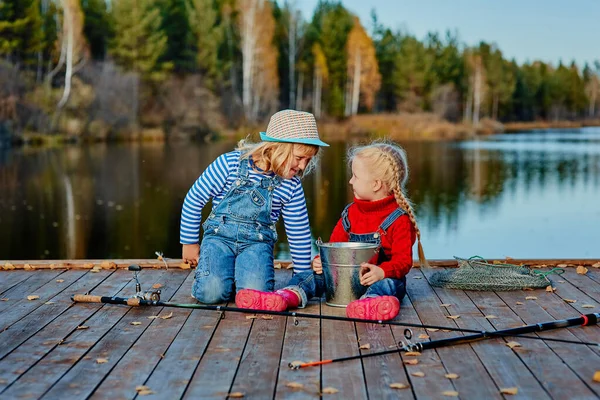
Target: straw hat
291,126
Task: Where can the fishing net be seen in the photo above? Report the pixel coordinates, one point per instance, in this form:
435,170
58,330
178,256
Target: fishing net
476,273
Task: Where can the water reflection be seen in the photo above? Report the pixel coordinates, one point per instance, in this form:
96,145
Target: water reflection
526,195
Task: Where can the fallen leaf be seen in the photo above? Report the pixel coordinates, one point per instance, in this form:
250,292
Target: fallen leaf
412,361
143,390
365,346
81,327
27,266
587,306
452,376
160,257
8,266
562,265
294,385
490,316
96,269
397,385
432,329
88,265
450,393
153,317
136,323
511,390
330,390
513,344
519,303
453,316
236,395
445,305
33,297
418,374
570,300
5,299
50,302
412,353
418,277
170,315
581,270
101,360
550,289
277,265
423,336
108,265
157,286
530,298
597,265
560,281
251,316
185,265
596,377
268,317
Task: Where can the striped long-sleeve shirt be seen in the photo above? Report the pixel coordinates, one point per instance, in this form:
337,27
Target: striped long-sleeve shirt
288,200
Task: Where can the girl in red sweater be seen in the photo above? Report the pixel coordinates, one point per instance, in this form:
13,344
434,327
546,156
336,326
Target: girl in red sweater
381,213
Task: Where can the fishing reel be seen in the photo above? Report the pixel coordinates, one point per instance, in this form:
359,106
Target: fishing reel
149,295
409,345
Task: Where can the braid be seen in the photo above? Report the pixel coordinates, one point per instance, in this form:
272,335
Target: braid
397,161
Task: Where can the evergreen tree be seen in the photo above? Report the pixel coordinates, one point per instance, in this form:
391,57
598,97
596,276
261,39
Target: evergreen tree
203,18
181,48
98,27
21,35
139,42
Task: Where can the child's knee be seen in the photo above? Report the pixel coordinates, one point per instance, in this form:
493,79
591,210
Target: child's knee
211,291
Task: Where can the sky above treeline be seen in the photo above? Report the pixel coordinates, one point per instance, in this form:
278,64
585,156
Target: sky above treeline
526,30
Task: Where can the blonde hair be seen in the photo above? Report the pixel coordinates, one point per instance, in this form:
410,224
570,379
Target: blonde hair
387,163
278,156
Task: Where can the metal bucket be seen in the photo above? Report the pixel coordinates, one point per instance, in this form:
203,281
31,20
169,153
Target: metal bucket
341,267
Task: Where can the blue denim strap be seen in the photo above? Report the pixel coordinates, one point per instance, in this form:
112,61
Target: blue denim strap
345,220
391,219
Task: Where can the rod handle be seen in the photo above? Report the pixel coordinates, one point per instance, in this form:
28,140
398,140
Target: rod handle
86,298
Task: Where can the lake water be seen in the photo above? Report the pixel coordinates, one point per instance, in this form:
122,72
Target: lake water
528,195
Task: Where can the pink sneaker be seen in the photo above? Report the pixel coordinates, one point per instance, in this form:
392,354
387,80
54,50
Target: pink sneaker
257,300
381,308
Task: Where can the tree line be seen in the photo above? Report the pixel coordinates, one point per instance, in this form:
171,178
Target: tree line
202,64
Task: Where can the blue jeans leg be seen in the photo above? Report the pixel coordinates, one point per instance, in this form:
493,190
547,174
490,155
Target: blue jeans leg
213,281
308,285
387,287
254,267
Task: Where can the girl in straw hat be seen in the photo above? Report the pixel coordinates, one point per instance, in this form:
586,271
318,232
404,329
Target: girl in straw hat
250,188
381,213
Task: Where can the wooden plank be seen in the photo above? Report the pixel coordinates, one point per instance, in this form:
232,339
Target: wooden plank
8,279
216,370
134,368
381,371
74,350
33,348
585,283
24,307
301,343
555,376
87,374
19,332
339,339
260,360
506,369
18,293
475,381
171,376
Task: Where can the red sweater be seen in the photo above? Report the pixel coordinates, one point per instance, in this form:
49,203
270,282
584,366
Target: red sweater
365,217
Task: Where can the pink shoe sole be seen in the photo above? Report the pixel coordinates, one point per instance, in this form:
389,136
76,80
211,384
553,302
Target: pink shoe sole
257,300
381,308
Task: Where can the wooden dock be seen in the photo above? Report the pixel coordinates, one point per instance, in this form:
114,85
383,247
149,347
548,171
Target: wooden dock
52,348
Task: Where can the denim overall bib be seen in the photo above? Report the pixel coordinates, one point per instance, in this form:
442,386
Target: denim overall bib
239,237
309,284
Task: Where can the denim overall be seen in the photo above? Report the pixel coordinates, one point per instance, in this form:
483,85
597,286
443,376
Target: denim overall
239,237
309,284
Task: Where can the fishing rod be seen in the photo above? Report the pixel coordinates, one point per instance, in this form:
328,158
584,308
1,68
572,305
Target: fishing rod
143,299
583,320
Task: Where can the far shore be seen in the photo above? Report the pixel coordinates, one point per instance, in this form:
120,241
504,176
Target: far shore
423,126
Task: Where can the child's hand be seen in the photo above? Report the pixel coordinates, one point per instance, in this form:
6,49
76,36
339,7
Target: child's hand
317,265
370,273
191,254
